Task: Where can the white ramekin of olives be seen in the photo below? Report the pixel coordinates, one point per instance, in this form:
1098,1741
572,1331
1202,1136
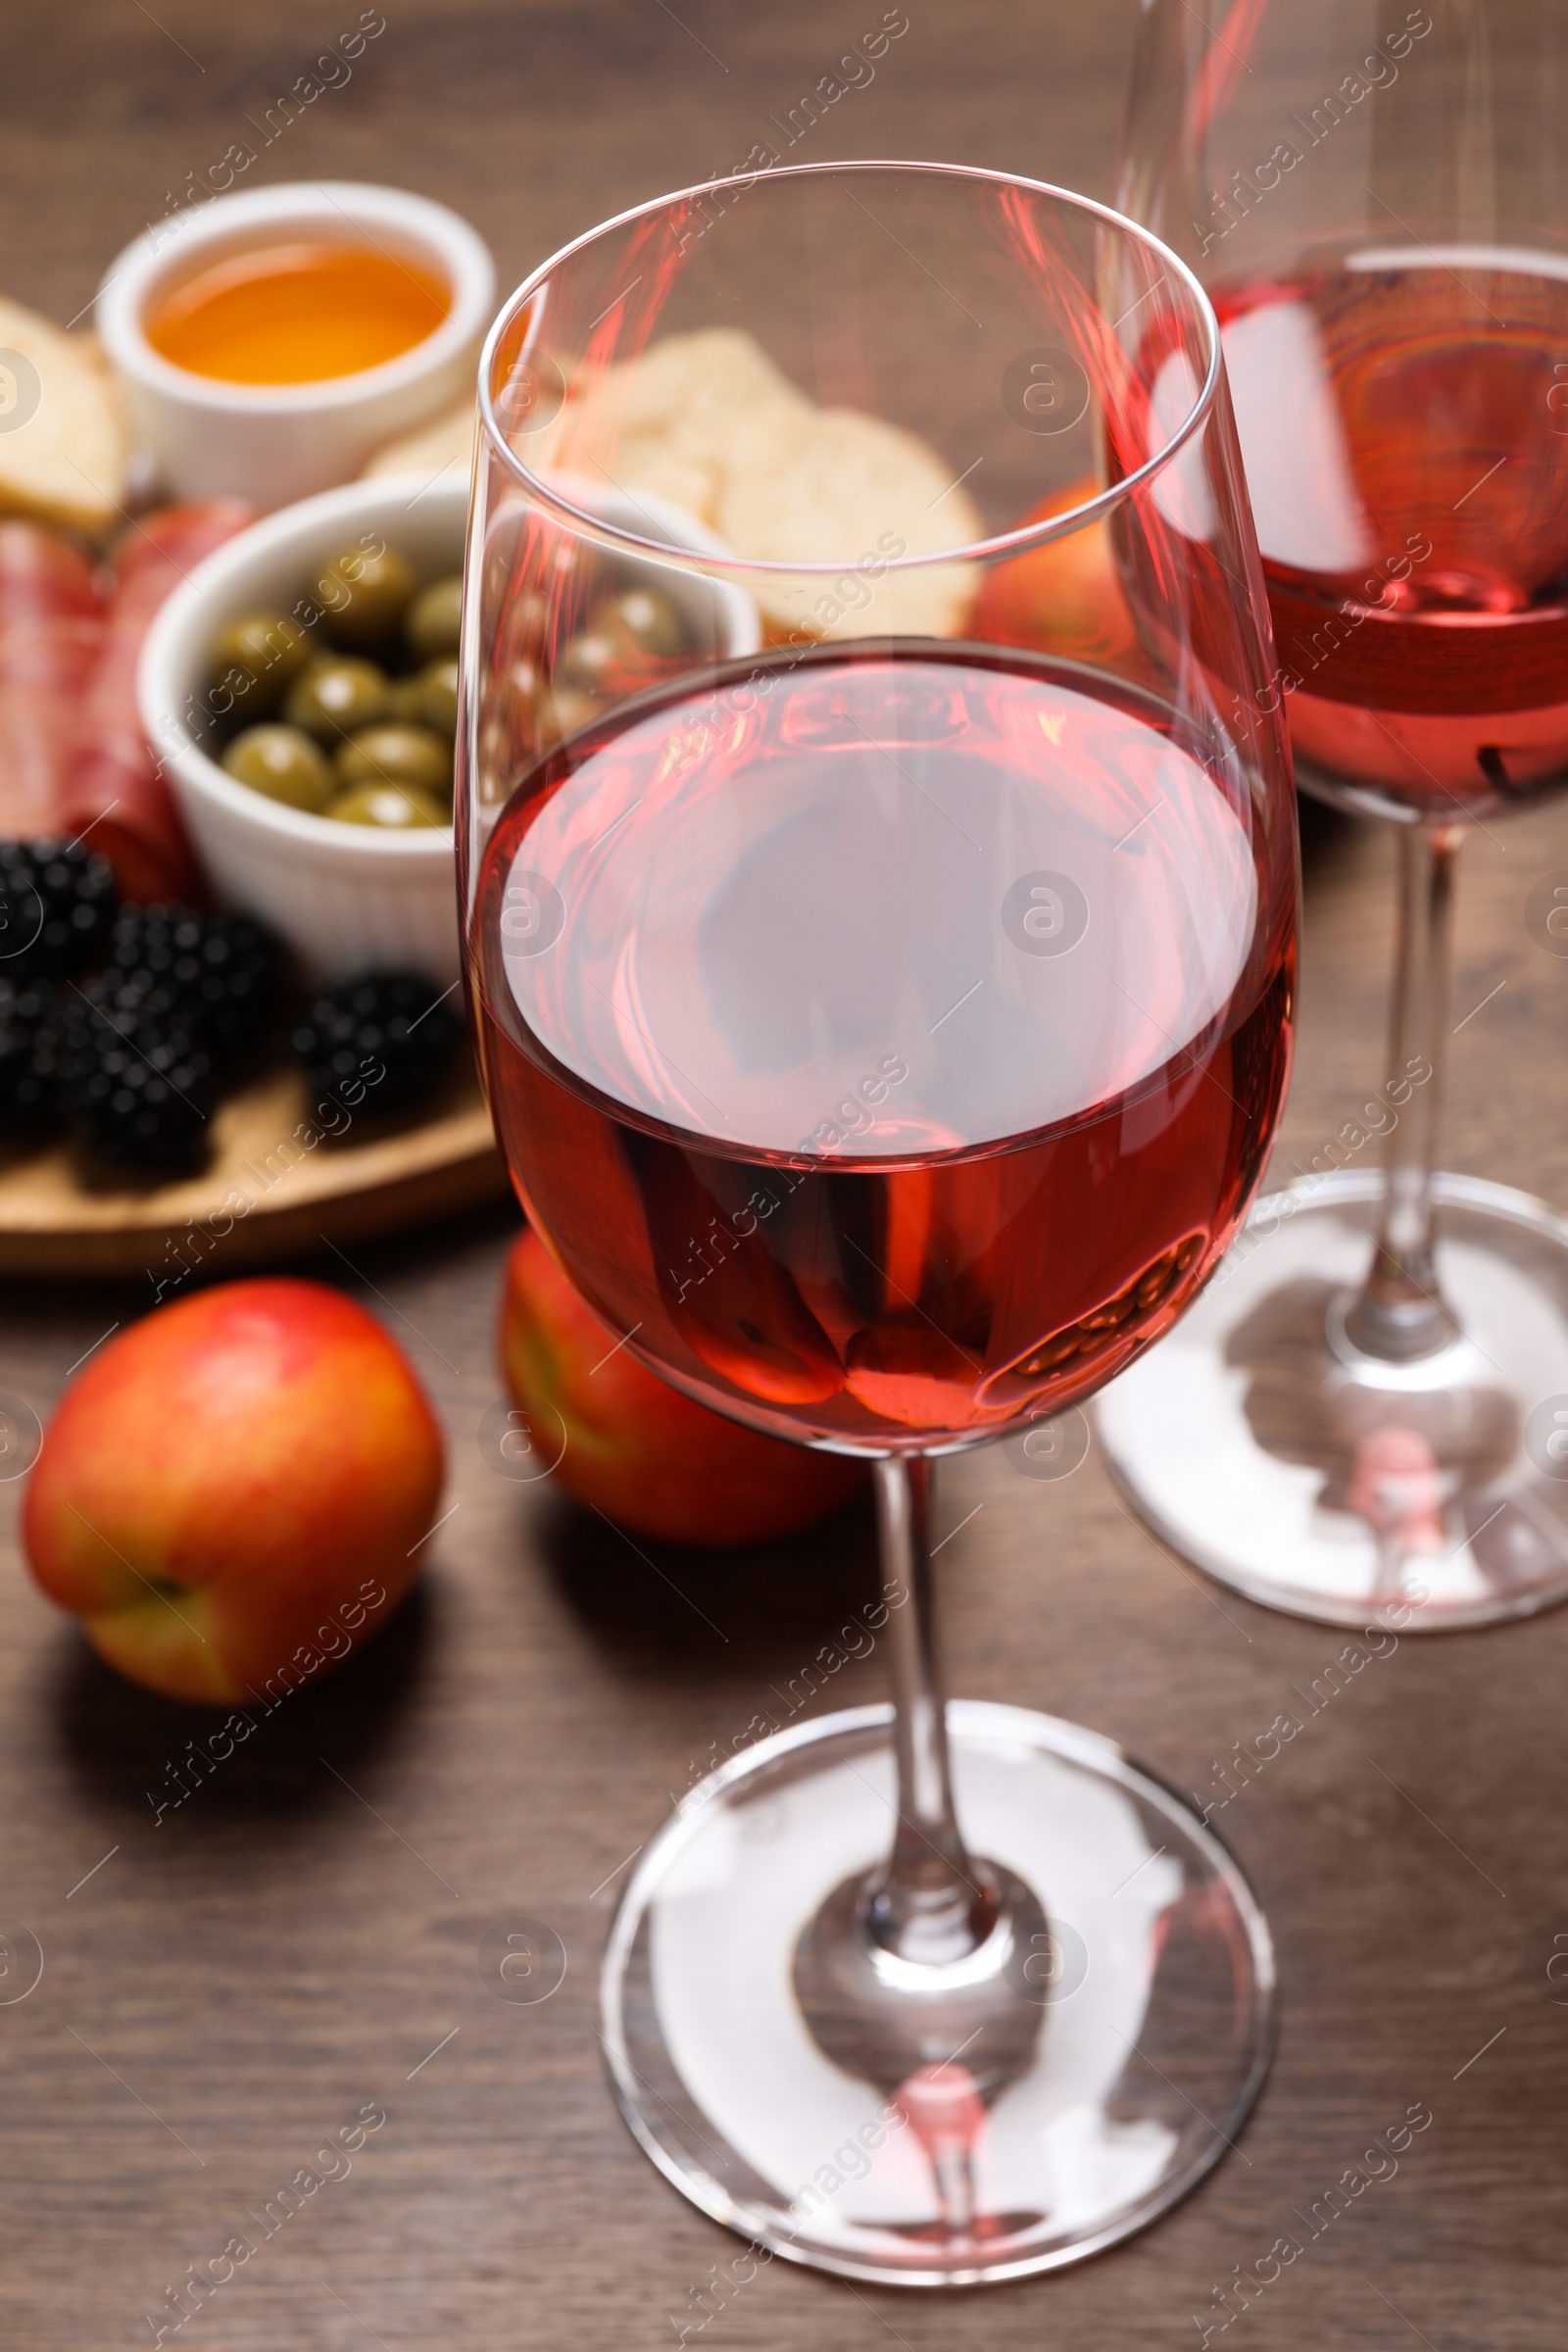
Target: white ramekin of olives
301,693
344,894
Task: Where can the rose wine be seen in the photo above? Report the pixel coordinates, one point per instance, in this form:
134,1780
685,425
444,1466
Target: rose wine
1404,419
888,1043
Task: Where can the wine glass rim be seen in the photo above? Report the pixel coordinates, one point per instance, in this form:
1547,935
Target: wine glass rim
1003,543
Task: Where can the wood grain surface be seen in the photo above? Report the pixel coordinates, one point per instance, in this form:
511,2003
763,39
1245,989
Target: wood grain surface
223,1990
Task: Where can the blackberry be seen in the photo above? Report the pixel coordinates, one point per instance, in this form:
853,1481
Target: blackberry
30,1015
216,979
141,1052
57,902
136,1092
394,1022
133,1058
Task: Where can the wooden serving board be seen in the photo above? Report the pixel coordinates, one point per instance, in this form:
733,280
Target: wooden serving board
268,1193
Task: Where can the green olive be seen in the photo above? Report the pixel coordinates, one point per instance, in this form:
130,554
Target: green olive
395,808
268,651
562,711
433,623
436,696
403,701
284,764
364,594
649,617
396,756
336,696
593,663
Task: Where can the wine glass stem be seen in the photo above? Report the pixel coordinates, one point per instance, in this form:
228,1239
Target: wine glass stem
931,1903
1399,1315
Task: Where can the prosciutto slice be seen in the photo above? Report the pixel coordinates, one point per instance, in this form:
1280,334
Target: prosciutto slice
114,790
52,628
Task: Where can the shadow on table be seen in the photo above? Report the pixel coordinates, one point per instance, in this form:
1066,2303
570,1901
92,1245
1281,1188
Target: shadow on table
1330,838
127,1746
655,1604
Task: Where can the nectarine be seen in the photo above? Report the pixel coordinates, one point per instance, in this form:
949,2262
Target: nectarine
637,1450
228,1486
1064,598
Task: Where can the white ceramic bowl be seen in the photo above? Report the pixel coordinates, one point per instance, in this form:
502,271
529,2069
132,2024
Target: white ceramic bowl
347,896
274,443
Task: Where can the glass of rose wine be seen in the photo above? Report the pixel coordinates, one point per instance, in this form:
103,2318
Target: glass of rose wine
1367,1422
882,976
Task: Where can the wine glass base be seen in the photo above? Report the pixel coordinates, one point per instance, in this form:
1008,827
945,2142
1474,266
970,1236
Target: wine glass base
1258,1445
1155,2002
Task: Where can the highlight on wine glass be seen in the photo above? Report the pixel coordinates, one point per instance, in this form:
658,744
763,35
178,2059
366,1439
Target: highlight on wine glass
881,894
1376,204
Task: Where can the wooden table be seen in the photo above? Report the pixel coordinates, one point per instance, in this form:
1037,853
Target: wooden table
223,1990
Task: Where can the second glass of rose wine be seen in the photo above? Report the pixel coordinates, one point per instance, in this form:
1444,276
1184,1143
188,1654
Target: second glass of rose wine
884,992
1368,1422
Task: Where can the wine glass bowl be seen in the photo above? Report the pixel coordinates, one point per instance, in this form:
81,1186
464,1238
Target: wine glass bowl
885,1024
1394,405
1392,286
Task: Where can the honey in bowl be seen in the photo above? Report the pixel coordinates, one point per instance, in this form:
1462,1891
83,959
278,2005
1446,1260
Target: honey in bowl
296,314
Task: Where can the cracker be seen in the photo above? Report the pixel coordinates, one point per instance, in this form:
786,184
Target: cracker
707,421
847,488
65,461
673,420
446,442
